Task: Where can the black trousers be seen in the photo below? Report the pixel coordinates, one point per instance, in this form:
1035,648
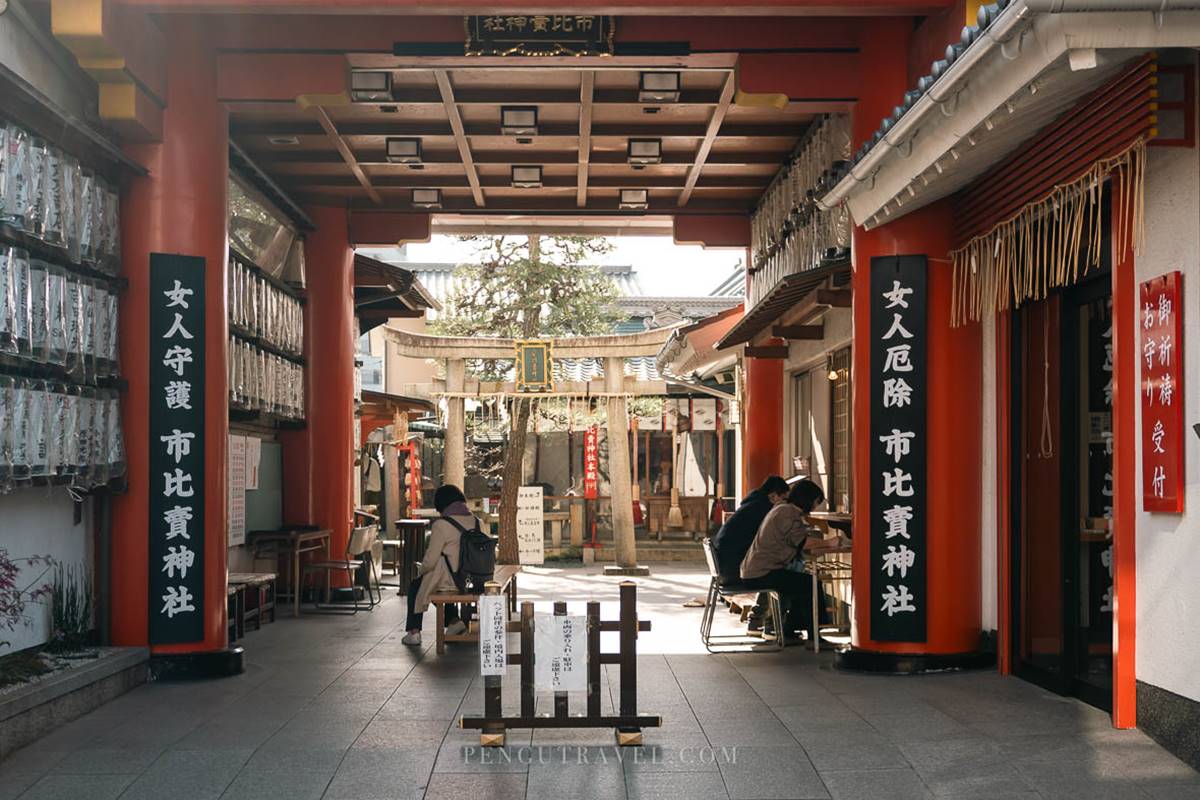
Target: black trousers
795,595
414,619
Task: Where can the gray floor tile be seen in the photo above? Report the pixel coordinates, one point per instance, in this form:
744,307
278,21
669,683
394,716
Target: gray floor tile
556,781
689,757
892,784
74,787
854,752
106,761
297,759
642,785
733,730
12,783
493,787
767,773
277,786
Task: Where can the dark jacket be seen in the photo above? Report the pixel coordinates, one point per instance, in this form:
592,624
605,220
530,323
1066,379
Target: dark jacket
734,538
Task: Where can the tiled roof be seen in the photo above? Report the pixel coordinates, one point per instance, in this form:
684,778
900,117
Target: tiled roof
734,285
987,15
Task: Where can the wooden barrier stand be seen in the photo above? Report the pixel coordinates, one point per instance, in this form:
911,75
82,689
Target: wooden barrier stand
627,722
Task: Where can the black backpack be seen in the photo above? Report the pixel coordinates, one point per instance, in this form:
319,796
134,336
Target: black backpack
476,558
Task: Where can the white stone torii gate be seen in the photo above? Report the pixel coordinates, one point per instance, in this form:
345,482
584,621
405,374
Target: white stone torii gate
455,350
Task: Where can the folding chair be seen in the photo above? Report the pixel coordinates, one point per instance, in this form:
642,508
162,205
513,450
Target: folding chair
744,595
358,554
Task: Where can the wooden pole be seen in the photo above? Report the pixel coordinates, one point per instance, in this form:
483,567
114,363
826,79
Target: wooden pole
618,465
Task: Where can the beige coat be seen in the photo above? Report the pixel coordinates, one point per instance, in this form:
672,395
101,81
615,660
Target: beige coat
435,576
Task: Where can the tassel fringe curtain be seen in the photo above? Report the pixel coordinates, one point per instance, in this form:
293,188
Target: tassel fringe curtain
1050,242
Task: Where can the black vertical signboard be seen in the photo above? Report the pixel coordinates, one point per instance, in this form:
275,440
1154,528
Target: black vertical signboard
898,446
176,448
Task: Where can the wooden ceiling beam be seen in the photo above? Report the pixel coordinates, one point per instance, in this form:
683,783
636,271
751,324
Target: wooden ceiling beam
403,180
460,136
587,85
710,135
376,157
383,127
338,142
835,298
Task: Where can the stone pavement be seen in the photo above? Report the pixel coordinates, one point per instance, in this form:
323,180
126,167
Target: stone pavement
337,708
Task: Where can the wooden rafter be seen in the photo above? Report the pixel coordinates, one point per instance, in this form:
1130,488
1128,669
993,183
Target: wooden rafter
332,132
587,83
460,135
710,135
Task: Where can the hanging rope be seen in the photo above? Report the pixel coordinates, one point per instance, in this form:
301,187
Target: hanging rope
1049,242
1046,445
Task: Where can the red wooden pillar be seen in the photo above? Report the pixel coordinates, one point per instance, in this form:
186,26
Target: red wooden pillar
954,420
954,395
179,207
762,439
329,260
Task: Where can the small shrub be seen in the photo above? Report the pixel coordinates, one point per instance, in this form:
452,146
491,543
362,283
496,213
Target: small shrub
71,606
15,593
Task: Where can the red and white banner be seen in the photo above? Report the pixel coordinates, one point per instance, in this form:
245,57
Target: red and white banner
591,463
1161,323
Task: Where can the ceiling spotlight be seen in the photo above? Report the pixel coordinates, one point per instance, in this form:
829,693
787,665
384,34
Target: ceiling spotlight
954,154
427,198
284,141
911,191
970,140
519,120
645,151
370,87
637,199
658,87
1009,105
987,123
403,151
526,177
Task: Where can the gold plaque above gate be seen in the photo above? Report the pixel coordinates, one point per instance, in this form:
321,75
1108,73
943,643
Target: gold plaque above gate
539,35
534,372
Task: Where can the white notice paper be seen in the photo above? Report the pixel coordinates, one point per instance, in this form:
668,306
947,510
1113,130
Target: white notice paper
237,490
253,458
560,653
493,619
531,544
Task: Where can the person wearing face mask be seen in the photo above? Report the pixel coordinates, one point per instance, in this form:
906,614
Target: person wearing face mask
734,538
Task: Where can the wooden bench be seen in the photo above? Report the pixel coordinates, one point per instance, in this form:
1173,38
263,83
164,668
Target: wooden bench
506,576
252,599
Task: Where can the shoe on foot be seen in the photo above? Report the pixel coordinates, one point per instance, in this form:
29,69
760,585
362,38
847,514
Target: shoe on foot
456,628
413,639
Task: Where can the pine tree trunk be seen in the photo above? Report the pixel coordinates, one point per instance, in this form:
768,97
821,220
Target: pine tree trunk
514,460
510,481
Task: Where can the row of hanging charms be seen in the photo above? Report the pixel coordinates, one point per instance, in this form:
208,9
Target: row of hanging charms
789,233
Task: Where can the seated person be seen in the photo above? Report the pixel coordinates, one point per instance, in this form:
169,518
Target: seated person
785,535
734,538
436,573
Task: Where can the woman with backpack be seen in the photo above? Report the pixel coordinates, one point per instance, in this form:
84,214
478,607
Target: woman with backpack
440,563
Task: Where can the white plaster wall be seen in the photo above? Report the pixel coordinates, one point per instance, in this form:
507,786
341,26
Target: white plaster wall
989,568
40,522
1168,545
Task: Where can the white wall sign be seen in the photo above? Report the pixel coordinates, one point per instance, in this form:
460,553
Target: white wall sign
253,459
493,641
530,537
237,490
560,653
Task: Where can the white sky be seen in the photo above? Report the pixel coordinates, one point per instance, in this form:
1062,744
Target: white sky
663,267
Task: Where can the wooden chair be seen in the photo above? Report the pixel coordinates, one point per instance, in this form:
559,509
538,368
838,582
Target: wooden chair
358,555
743,596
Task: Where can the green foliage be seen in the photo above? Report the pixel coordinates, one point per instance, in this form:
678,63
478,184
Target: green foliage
529,287
71,608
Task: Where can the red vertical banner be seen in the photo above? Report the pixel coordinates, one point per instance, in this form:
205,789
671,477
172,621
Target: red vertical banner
591,463
1160,318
